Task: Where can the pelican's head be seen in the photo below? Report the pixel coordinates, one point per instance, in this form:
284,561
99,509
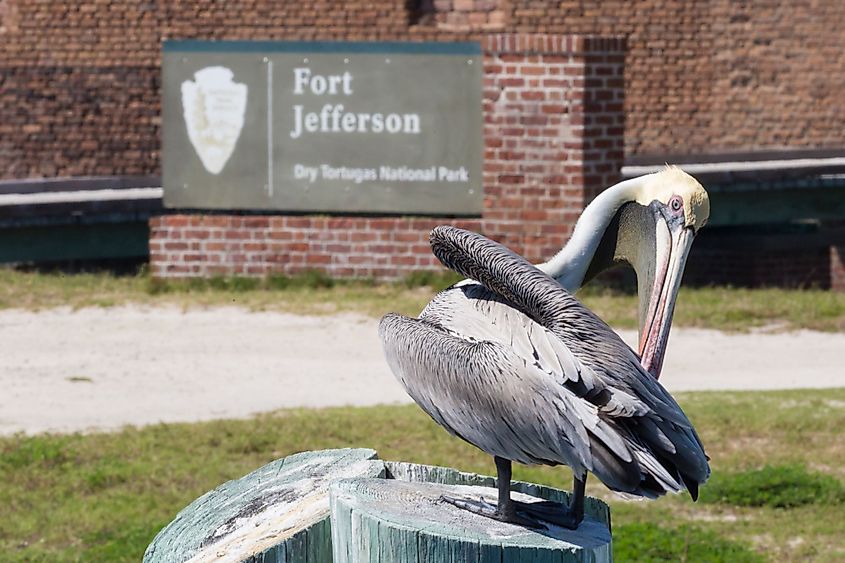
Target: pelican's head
648,222
673,206
677,191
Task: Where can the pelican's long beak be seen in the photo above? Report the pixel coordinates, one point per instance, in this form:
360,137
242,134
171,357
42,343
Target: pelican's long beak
672,244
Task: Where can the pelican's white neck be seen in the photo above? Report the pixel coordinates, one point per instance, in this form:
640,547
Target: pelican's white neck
569,266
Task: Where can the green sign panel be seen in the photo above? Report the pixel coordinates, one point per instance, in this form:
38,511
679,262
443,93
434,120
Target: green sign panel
324,127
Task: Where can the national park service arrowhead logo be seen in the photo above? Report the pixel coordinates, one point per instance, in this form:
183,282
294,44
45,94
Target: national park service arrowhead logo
214,109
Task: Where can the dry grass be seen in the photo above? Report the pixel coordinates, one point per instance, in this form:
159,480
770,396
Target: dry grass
728,309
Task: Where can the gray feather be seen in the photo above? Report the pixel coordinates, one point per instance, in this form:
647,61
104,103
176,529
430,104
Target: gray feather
515,365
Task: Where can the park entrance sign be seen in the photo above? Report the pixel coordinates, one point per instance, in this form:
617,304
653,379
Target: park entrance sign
323,127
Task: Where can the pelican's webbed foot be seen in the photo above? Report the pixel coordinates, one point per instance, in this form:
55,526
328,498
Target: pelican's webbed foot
536,515
489,510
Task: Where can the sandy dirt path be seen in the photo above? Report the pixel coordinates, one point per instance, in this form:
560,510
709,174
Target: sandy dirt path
64,370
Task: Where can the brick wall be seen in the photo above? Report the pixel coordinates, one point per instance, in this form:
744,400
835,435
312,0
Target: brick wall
552,132
85,121
461,15
79,88
704,76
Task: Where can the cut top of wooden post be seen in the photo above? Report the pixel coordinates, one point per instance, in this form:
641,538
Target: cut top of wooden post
381,520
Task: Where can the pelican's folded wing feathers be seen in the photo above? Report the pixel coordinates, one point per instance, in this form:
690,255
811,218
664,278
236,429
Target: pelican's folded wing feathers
516,305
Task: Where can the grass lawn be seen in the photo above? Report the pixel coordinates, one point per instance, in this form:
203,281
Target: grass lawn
777,491
312,293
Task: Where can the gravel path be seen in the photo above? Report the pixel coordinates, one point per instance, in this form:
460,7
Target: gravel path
104,368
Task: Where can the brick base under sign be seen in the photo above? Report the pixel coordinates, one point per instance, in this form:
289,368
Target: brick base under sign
553,136
201,245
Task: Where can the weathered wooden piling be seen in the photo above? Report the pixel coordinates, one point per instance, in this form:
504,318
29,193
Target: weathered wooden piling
380,511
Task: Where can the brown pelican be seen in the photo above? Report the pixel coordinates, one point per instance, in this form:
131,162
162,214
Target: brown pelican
509,361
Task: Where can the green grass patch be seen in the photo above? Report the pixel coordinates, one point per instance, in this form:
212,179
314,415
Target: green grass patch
427,278
103,497
310,279
315,293
776,486
39,453
645,542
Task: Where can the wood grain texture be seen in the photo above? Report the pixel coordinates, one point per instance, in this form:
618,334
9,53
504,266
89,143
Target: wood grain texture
278,513
415,472
383,520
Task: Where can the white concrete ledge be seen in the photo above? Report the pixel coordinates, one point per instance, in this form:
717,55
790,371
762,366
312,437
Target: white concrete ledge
45,198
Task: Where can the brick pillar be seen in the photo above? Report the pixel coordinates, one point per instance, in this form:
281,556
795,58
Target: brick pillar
603,148
553,131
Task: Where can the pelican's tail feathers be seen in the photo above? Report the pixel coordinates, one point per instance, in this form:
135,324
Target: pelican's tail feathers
612,470
666,479
692,487
654,469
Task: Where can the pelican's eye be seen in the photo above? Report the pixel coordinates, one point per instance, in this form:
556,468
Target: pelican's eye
676,203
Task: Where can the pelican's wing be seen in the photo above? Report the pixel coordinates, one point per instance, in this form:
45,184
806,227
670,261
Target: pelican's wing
607,372
501,402
471,311
621,459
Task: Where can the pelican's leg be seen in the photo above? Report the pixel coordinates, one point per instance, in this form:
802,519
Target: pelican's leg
507,510
503,483
576,504
529,514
